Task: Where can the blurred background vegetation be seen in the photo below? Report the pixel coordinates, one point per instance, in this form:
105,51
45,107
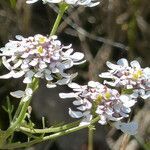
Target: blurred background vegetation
112,30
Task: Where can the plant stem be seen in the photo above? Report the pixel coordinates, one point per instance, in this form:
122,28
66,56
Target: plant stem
62,8
20,115
49,137
90,137
49,130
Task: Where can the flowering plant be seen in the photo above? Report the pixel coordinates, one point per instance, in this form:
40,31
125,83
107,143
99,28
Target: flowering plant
45,57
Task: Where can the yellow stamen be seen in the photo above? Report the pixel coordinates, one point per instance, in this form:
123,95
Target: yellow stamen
42,40
107,95
40,49
99,99
137,75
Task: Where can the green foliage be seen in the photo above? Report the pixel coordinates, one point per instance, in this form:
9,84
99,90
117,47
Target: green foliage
13,3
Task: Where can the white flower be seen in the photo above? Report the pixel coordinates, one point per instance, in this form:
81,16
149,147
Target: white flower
22,94
129,128
105,102
133,77
40,57
89,3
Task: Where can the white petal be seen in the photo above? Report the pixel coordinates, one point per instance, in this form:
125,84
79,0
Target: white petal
42,65
146,95
75,114
39,74
135,64
129,128
112,66
74,85
106,75
77,102
19,37
29,92
34,62
92,84
48,77
31,1
27,80
78,63
50,85
77,56
19,62
68,52
17,94
5,63
18,74
67,95
102,120
63,81
86,120
123,62
7,76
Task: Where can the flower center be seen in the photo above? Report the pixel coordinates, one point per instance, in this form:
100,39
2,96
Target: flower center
137,75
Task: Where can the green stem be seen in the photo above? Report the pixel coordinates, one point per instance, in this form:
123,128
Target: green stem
90,138
62,8
49,130
16,122
49,137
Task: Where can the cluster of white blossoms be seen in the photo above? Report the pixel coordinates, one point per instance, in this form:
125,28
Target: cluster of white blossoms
96,98
132,78
88,3
109,103
40,57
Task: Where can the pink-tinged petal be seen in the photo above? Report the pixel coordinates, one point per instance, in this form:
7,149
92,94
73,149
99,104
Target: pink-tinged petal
17,94
67,95
75,114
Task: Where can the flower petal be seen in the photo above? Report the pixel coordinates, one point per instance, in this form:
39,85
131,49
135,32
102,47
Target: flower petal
75,114
17,94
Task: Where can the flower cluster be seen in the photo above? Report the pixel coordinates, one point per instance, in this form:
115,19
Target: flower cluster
96,98
40,57
132,78
89,3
